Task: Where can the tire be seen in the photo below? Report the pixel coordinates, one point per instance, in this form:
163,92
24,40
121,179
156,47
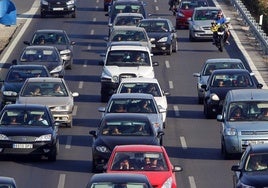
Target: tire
42,15
176,48
224,153
169,52
53,155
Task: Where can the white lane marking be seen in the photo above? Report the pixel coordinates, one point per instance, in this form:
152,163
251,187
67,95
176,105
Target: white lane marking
80,85
97,1
156,8
176,110
75,110
68,142
192,182
167,64
170,83
92,32
61,181
89,47
155,1
94,19
183,142
85,64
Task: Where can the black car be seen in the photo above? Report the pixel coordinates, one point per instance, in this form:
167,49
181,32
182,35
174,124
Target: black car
119,180
121,129
28,129
7,182
163,34
251,171
220,82
57,38
58,7
48,56
15,78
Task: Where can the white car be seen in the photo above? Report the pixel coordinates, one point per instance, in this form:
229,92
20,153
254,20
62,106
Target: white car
145,85
124,61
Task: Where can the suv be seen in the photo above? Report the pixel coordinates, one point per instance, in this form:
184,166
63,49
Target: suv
251,127
124,61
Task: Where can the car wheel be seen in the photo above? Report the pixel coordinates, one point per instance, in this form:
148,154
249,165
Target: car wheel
207,111
170,50
164,125
175,49
224,152
53,154
42,15
191,37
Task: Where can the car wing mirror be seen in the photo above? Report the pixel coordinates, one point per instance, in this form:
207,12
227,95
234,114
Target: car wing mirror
196,74
220,118
166,93
204,86
177,168
14,62
235,168
155,64
75,94
26,42
93,133
106,39
73,43
101,109
259,86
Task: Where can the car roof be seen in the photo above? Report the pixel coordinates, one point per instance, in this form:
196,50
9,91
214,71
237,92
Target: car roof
5,179
132,28
31,66
248,95
207,8
24,106
139,80
220,60
228,71
119,177
44,79
41,47
129,48
129,14
50,31
131,96
128,2
126,43
128,116
145,148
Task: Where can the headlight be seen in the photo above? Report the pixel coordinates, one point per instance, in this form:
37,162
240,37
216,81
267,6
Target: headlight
115,78
3,137
43,2
46,137
164,39
70,2
214,97
197,27
230,132
62,108
10,93
167,183
57,69
246,186
102,149
64,52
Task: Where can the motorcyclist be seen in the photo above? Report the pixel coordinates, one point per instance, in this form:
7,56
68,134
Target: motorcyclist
173,5
221,21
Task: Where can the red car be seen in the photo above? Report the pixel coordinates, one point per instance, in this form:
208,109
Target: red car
185,10
149,160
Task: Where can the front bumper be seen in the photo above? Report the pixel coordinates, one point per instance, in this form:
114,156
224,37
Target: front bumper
202,34
161,47
62,116
57,9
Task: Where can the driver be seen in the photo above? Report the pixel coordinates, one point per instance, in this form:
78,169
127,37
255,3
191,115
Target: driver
221,20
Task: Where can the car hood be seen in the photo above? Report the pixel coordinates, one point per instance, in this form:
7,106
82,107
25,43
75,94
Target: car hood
203,23
61,46
12,86
222,91
158,35
253,126
139,71
49,101
25,130
258,178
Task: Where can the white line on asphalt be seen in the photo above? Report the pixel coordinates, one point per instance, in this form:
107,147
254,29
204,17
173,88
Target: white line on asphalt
61,181
94,19
155,1
176,110
167,64
183,142
85,64
89,47
92,32
170,83
192,182
97,1
80,85
156,8
75,110
68,142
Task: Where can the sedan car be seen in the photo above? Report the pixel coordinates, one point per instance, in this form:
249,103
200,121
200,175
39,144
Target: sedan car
152,161
145,85
57,7
15,78
48,56
7,182
57,38
52,92
119,181
209,66
121,129
220,82
162,34
20,135
136,103
251,171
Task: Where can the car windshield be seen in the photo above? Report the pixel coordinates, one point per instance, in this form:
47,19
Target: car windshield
248,111
39,55
127,35
232,80
49,38
44,89
17,117
155,26
205,14
257,162
126,57
127,20
118,185
210,67
135,105
150,88
185,5
20,75
139,161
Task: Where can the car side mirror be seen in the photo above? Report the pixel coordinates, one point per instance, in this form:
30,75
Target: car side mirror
14,62
220,118
101,109
160,133
93,133
75,94
196,74
259,86
204,86
235,168
73,43
106,14
166,93
177,168
155,64
26,42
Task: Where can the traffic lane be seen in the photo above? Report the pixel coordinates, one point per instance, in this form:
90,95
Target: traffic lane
22,6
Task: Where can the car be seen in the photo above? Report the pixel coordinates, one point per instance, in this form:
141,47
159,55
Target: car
42,55
20,135
52,92
185,11
124,61
220,82
200,23
145,85
142,160
7,182
136,103
251,128
129,33
251,171
211,65
57,7
15,78
57,38
162,34
119,180
121,129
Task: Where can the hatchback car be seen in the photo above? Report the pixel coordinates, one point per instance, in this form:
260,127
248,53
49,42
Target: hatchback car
48,56
209,66
220,82
121,129
251,171
162,33
52,92
57,38
28,129
15,78
7,182
243,120
152,161
58,7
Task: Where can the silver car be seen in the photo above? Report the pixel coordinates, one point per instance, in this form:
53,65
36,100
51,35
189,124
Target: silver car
211,65
52,92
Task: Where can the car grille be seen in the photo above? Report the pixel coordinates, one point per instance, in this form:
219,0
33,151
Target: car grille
57,4
22,138
122,76
206,28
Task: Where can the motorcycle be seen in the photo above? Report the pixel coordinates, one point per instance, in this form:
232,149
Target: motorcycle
220,35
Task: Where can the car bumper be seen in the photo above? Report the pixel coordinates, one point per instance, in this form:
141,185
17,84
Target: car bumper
57,9
62,117
161,48
8,100
202,35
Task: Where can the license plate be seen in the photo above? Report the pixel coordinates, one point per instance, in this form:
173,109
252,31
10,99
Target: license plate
23,146
258,142
58,9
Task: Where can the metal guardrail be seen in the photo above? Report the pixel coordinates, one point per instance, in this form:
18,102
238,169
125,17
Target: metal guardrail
254,27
